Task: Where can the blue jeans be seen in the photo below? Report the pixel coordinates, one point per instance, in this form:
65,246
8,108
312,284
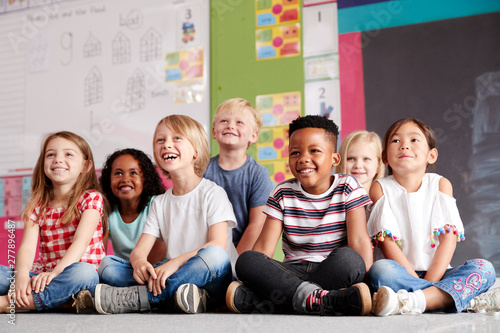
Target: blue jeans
117,272
284,287
462,283
209,269
77,276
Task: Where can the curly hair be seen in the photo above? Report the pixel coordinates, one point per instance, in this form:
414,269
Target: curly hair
331,129
151,181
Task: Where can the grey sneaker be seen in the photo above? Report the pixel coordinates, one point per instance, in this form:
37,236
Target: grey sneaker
191,299
110,299
486,302
83,302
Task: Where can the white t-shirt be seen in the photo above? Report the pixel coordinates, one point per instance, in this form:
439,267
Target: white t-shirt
182,222
413,217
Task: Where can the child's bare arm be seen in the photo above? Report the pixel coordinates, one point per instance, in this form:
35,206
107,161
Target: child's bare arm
217,235
447,244
83,235
157,253
392,251
269,237
256,220
388,246
357,235
139,259
24,259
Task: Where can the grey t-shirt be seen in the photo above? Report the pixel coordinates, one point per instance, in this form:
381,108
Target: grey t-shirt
248,186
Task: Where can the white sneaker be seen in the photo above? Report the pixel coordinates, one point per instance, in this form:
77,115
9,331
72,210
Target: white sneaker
486,302
387,303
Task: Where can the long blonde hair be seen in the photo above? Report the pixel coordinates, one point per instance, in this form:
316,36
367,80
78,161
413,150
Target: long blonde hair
194,132
42,189
357,136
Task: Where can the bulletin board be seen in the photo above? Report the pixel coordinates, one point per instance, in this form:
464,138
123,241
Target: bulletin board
447,73
98,68
236,71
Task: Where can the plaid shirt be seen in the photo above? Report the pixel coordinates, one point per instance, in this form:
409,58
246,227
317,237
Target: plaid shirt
55,238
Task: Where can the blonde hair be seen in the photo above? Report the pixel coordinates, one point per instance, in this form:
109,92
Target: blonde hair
358,136
42,189
194,132
235,105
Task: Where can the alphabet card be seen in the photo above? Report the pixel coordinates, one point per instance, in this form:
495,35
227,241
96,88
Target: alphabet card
278,42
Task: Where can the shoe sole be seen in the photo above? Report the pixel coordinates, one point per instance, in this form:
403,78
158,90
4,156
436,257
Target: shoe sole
231,290
366,298
191,299
97,300
383,306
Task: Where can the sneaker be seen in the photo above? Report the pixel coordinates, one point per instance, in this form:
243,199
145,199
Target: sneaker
387,302
486,302
83,302
240,298
191,299
353,301
110,299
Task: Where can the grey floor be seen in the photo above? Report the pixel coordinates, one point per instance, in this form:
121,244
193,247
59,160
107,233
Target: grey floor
229,322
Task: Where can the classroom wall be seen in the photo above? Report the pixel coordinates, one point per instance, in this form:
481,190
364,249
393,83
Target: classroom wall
422,58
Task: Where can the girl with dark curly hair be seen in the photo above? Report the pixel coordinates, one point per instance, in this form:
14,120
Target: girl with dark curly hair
130,182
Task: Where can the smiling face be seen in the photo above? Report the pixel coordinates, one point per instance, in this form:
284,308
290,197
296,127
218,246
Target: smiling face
408,150
312,159
362,162
234,130
174,153
126,179
63,162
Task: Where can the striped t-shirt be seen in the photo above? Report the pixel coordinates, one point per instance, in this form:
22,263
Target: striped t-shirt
314,225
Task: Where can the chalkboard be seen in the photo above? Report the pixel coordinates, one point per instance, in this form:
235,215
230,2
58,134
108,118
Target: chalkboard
107,70
447,73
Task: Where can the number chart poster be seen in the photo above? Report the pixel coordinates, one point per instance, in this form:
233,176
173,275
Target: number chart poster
277,110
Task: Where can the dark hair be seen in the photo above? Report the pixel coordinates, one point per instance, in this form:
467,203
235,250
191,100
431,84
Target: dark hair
152,183
426,130
331,129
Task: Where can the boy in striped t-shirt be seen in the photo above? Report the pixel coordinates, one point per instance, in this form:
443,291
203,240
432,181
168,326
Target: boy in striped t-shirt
322,219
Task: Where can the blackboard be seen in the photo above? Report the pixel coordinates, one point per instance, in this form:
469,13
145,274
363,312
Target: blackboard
447,73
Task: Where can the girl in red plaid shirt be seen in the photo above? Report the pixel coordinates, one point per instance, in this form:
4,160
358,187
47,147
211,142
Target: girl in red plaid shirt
66,213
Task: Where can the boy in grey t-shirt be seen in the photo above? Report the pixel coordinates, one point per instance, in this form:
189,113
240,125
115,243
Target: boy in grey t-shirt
236,126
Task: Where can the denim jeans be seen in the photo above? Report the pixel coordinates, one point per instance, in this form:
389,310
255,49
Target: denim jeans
209,269
462,283
77,276
284,287
117,272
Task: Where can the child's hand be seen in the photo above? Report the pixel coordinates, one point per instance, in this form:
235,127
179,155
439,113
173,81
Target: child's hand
23,290
143,271
163,272
41,280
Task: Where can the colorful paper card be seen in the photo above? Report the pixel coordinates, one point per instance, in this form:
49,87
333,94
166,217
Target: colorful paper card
278,170
272,143
272,12
277,42
183,65
279,109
